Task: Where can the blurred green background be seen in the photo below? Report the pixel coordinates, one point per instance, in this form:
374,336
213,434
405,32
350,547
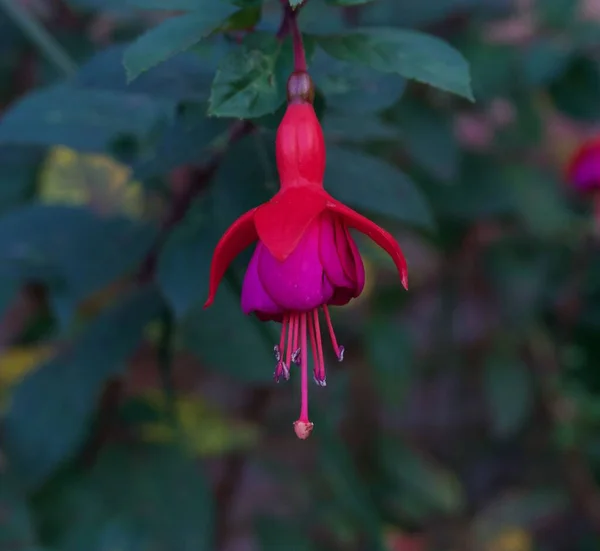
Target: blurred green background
466,415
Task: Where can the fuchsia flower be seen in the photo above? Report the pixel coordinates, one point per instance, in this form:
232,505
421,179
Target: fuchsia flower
583,170
305,259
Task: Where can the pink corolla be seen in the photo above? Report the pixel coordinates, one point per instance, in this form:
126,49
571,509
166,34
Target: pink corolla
583,169
305,259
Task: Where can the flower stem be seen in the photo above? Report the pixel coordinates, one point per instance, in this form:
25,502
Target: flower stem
300,65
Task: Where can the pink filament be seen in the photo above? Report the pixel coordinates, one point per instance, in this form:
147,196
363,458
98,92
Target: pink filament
313,344
320,370
282,337
295,337
334,342
288,350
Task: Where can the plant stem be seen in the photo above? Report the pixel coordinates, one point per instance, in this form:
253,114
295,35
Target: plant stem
299,53
40,37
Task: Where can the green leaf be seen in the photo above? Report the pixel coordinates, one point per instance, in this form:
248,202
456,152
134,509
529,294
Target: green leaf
19,167
537,201
174,35
348,2
479,191
493,68
340,475
183,77
544,61
354,88
343,127
85,120
509,392
275,534
135,498
428,136
415,483
370,184
153,5
17,529
556,13
250,82
65,390
185,259
71,249
228,341
576,92
241,183
390,352
527,508
409,53
181,143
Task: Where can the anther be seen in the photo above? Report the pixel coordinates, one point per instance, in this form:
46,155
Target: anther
281,372
296,358
320,382
340,355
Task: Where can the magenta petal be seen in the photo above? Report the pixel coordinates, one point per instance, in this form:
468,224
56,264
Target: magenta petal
297,283
329,254
254,296
587,172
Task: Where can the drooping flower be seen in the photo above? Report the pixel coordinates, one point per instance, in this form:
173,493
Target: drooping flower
305,259
583,169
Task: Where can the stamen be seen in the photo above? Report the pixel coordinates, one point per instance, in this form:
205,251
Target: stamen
288,349
338,350
320,370
313,346
295,349
281,369
303,426
286,319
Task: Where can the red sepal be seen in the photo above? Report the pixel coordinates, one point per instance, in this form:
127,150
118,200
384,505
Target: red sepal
241,234
381,237
282,221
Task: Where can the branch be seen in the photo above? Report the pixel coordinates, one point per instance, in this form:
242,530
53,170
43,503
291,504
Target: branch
182,202
40,37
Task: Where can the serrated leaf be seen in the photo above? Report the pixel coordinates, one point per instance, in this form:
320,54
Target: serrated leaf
248,83
173,36
65,390
409,53
371,184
